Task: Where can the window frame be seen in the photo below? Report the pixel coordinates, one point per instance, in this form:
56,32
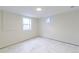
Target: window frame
28,24
48,20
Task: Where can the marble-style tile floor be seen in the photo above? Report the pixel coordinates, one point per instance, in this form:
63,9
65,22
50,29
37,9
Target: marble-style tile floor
41,45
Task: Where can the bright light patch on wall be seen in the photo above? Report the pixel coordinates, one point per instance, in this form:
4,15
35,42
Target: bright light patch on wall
26,23
38,9
48,20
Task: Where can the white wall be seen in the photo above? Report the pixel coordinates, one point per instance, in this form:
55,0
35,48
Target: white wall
0,28
11,29
63,27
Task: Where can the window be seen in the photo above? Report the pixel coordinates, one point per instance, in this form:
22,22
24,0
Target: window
26,24
48,20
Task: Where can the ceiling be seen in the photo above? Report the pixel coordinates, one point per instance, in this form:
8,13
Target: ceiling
31,10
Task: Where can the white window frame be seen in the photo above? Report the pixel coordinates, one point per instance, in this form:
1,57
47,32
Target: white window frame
26,24
48,20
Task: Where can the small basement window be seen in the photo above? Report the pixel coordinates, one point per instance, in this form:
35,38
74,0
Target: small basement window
26,24
48,20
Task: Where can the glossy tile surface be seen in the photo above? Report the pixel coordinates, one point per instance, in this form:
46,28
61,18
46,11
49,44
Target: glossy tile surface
41,45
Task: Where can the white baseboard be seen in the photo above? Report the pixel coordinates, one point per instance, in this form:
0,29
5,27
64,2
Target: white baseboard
60,41
37,37
18,42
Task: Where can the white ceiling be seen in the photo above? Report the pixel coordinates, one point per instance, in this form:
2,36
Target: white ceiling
31,10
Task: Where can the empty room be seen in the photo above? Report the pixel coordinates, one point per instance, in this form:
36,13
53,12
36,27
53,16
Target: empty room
39,29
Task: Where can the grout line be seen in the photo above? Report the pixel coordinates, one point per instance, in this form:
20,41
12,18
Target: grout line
60,41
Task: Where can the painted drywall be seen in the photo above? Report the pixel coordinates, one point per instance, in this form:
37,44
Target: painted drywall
11,29
0,27
63,27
